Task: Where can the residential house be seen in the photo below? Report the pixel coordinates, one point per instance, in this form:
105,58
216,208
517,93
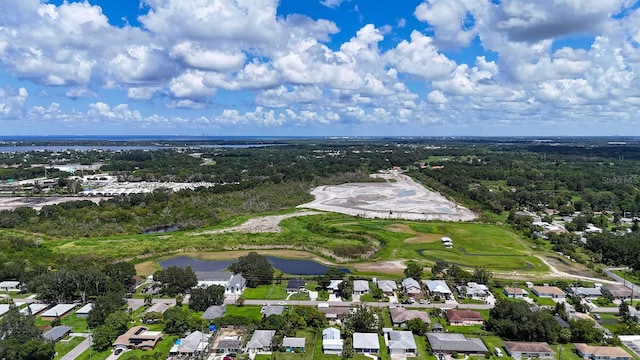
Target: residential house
228,344
464,317
388,287
33,309
83,312
360,287
449,343
335,315
194,344
331,341
58,311
293,344
516,293
295,285
548,292
585,293
438,288
7,286
617,291
473,290
57,333
233,284
261,341
601,352
214,312
138,337
151,316
400,316
411,287
333,286
4,308
366,343
401,343
268,310
527,350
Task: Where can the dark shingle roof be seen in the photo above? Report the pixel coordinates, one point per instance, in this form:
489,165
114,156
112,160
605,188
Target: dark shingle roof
56,333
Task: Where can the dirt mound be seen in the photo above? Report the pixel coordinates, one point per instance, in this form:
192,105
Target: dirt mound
401,228
423,239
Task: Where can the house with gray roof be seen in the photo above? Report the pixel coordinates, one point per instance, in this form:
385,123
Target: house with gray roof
160,308
194,344
448,343
228,345
366,343
360,287
57,332
528,350
585,292
400,316
473,290
331,341
388,287
34,309
293,344
295,285
401,343
411,287
438,288
617,291
60,311
214,312
233,284
272,310
261,341
83,312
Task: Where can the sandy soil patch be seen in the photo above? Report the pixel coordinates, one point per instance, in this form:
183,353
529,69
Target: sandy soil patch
386,267
402,199
401,228
234,254
147,268
38,202
424,239
263,224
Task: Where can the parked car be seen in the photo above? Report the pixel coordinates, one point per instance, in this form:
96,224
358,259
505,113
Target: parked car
117,352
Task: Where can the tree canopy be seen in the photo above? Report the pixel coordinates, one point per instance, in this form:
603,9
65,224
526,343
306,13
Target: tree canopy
254,268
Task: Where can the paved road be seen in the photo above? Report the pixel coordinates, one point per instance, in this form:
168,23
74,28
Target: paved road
623,281
350,303
76,351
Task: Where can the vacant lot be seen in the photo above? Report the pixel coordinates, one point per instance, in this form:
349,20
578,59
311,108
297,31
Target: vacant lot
402,198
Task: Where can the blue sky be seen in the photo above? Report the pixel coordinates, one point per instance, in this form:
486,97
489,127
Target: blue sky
320,67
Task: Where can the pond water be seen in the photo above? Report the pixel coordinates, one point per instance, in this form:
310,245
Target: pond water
287,266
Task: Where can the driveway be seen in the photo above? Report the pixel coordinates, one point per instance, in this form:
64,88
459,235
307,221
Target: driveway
78,350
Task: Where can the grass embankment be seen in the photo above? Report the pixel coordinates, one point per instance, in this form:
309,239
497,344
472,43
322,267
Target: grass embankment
322,236
66,345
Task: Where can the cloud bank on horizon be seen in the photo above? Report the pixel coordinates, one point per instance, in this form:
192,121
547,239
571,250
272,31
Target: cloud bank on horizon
320,67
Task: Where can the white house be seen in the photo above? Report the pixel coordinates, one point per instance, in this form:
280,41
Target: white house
401,343
360,287
6,286
261,341
366,343
411,287
331,341
233,284
438,288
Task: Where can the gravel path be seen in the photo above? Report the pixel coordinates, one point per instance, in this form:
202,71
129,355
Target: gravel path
264,224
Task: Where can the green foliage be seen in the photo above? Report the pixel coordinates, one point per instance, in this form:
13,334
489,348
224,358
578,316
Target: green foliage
20,339
413,270
175,280
417,326
583,331
179,320
103,306
254,268
517,320
121,272
362,319
203,297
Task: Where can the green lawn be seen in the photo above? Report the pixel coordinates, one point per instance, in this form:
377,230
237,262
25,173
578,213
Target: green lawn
370,298
267,292
610,321
91,354
628,275
248,311
310,347
542,301
76,323
63,347
162,350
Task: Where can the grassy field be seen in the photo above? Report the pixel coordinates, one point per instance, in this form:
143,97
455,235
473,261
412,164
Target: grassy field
248,311
329,239
64,346
268,292
628,275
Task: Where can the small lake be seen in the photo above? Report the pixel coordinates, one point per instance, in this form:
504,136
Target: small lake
287,266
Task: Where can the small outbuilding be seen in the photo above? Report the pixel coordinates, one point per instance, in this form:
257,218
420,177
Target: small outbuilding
57,333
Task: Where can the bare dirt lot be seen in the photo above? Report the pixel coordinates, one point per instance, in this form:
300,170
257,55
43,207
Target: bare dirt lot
399,198
263,224
10,203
